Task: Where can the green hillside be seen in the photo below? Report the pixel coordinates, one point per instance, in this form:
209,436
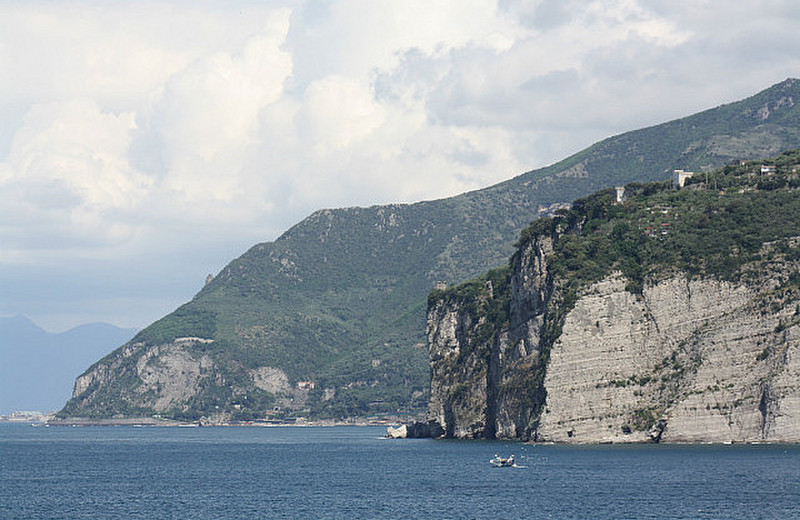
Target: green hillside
712,227
340,298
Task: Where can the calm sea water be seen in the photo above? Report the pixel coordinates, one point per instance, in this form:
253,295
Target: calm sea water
351,472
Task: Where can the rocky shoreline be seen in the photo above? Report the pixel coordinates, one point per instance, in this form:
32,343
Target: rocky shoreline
416,430
156,421
394,429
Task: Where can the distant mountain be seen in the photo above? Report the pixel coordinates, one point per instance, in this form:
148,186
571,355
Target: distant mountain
329,319
37,368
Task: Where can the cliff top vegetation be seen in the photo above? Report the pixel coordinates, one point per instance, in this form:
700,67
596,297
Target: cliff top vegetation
713,226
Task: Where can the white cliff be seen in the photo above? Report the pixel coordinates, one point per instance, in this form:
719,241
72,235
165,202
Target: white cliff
169,378
689,359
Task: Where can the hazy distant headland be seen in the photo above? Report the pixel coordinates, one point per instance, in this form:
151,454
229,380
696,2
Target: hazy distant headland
39,368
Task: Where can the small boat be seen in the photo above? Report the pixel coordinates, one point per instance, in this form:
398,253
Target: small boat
503,462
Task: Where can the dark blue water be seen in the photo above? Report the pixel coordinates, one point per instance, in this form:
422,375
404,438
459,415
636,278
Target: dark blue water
351,472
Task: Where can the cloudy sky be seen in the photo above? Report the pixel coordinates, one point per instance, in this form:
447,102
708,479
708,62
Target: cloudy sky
145,144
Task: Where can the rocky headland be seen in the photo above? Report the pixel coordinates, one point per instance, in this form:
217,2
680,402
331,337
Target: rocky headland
648,319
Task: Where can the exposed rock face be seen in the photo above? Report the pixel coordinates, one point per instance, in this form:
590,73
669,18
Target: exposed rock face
165,376
401,432
271,379
484,382
700,356
687,360
415,430
170,379
459,376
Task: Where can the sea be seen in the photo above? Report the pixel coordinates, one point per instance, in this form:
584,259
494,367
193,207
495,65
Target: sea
350,472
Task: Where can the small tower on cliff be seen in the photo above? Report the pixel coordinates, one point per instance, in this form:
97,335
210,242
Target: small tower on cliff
620,194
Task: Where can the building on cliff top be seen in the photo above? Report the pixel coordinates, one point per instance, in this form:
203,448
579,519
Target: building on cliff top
679,178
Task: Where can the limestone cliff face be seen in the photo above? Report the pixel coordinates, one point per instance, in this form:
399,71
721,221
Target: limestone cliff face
485,379
171,379
459,374
686,360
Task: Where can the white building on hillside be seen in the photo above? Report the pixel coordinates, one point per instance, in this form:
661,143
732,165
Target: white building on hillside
679,178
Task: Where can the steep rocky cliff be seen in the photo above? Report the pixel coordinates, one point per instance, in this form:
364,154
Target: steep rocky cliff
181,375
672,316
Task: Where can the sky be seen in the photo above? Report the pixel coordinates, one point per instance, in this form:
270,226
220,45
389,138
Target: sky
146,144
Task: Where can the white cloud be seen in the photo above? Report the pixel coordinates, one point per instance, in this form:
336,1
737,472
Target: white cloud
353,37
66,174
199,128
339,113
111,51
209,115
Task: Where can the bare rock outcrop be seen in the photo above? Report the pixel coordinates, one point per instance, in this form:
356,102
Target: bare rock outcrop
170,375
687,359
146,379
